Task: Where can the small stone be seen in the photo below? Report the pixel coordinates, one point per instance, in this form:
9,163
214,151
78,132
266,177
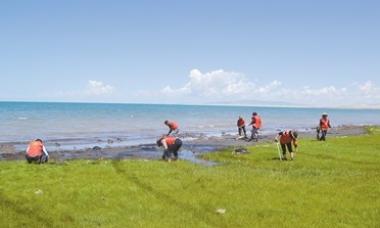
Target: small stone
221,211
39,192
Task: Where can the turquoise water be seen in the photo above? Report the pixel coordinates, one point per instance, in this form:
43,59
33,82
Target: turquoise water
85,124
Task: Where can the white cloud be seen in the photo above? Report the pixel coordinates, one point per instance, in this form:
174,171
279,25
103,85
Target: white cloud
97,88
212,84
220,85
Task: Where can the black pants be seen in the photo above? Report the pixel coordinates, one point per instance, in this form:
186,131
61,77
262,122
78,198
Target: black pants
242,130
38,159
172,150
284,146
323,135
255,134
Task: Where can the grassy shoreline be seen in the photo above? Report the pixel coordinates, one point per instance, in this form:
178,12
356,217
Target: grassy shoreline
331,184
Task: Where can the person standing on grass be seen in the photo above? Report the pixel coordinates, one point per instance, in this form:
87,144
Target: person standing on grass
36,152
256,123
173,127
324,126
287,139
171,147
241,126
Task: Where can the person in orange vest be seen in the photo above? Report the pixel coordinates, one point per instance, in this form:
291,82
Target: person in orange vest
256,123
36,152
173,127
171,147
287,139
241,126
324,126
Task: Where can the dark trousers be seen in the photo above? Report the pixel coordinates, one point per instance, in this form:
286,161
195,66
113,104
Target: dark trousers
255,134
323,135
172,150
242,130
38,159
288,146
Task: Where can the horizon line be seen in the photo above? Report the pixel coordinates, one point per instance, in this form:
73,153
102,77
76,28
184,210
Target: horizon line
196,104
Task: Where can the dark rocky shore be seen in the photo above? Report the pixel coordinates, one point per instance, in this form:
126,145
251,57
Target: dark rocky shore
190,151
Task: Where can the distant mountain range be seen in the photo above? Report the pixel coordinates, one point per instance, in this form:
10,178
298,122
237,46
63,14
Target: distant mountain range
290,104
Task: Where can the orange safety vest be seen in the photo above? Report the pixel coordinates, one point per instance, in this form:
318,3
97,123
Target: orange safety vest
173,125
325,124
170,140
257,121
286,138
35,149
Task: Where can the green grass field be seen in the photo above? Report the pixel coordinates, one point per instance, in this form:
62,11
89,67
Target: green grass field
331,184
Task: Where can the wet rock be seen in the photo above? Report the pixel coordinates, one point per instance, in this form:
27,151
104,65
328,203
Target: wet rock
96,148
241,150
109,141
7,149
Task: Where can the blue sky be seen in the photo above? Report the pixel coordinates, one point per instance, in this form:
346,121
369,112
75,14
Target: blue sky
191,51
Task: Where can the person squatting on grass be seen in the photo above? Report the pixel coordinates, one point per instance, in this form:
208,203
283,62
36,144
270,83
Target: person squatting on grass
256,123
287,139
36,152
173,127
241,126
324,126
171,147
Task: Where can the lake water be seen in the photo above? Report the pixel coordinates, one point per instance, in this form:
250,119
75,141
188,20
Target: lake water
77,125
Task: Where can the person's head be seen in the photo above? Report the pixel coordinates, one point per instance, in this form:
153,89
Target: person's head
254,114
38,140
324,115
166,122
240,117
294,134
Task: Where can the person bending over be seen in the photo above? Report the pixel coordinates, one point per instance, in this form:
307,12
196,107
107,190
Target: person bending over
36,152
287,139
171,147
173,127
256,123
241,126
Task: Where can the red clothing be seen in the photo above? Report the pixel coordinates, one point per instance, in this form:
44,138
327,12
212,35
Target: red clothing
240,122
173,125
324,124
170,140
286,137
256,121
35,149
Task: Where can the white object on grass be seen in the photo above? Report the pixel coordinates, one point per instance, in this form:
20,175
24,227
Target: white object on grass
221,211
278,148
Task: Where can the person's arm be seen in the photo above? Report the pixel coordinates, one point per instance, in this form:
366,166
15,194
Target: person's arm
329,124
277,139
164,144
45,151
170,131
27,149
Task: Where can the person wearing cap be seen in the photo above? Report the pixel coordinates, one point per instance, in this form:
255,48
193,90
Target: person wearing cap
36,152
171,147
173,127
287,139
256,123
241,126
324,126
